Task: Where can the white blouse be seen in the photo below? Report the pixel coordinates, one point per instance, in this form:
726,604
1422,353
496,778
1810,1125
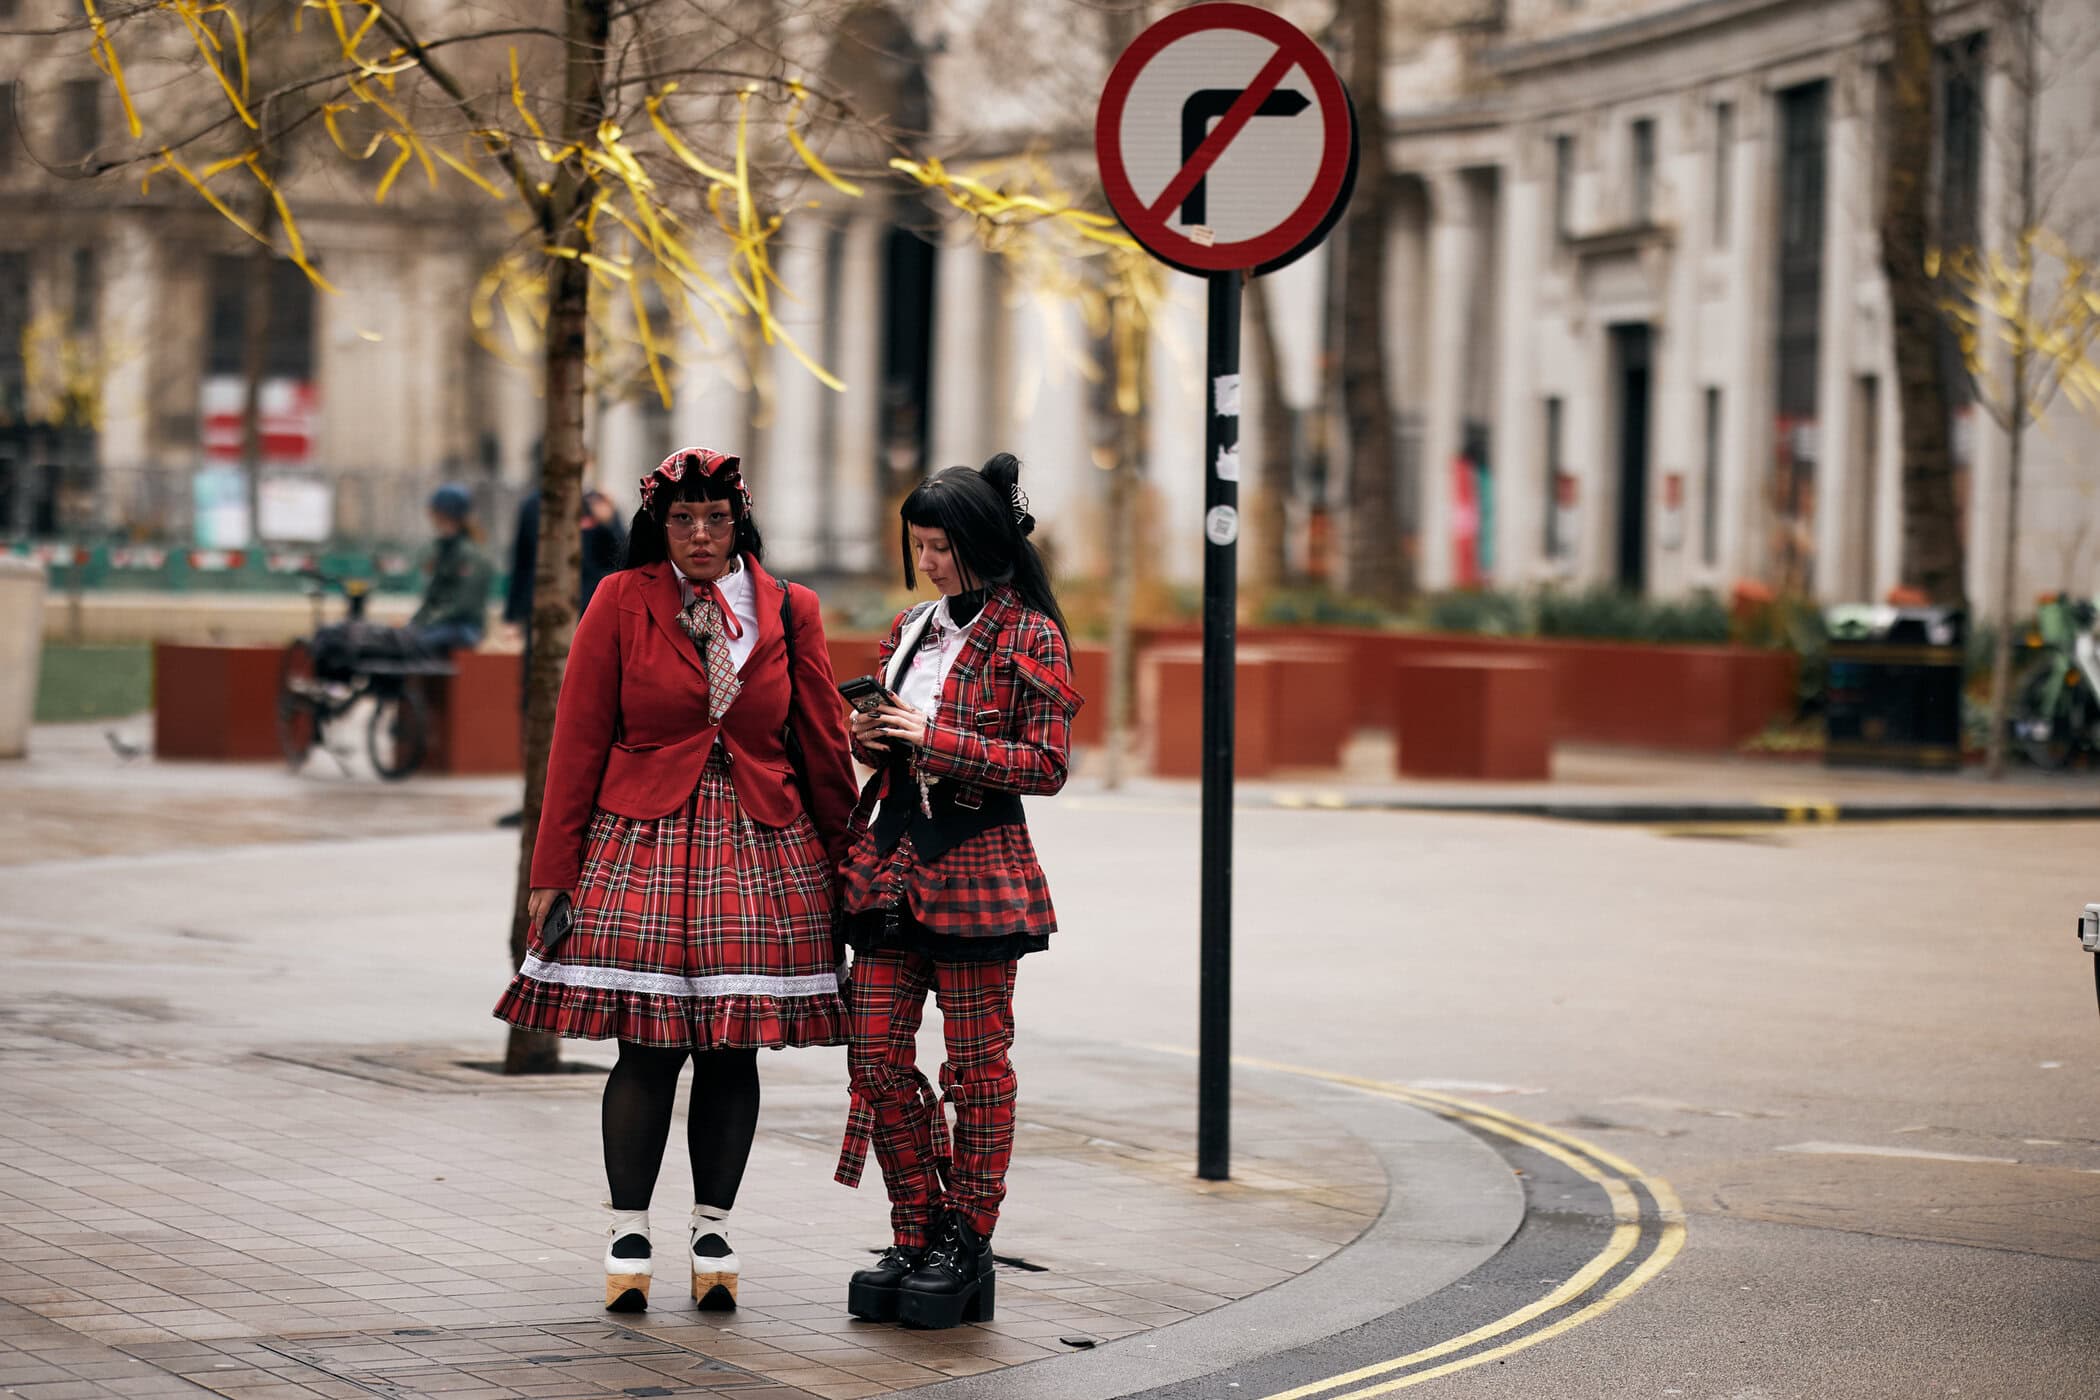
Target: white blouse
741,594
920,685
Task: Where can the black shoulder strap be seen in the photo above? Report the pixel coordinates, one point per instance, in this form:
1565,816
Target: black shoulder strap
787,633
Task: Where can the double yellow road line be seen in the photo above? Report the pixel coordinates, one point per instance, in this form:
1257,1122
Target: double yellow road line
1584,1297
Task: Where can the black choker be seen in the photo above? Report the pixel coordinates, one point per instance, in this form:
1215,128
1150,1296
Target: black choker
964,607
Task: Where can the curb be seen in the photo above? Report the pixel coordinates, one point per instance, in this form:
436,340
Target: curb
1452,1204
1739,813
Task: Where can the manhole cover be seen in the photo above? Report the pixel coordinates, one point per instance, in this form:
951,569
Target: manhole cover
568,1361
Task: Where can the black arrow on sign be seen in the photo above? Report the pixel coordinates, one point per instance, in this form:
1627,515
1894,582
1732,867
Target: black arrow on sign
1205,106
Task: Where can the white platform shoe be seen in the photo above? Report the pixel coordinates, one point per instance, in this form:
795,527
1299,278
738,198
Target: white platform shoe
713,1262
627,1280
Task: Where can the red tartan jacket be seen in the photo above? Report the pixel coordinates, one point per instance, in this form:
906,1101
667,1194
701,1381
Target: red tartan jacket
1004,722
631,733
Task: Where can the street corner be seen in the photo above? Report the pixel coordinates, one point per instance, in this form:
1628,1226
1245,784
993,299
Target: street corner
395,1219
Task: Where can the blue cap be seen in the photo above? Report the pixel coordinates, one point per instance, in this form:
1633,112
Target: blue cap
452,502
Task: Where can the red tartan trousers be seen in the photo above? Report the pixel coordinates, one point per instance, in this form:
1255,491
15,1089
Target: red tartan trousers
894,1104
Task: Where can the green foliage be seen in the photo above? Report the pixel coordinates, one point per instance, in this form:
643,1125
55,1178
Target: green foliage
1292,607
1478,611
1595,614
84,683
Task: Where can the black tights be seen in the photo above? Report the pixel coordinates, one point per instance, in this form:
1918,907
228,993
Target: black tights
640,1095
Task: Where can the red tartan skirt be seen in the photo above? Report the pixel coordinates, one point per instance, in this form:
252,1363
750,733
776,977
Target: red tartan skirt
701,929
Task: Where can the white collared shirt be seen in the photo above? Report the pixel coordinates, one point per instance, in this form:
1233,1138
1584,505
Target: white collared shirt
920,685
741,594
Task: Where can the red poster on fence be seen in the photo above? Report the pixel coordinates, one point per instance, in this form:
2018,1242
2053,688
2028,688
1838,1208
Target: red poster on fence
1465,525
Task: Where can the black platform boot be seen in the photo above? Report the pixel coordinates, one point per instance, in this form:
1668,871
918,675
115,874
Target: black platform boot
956,1284
872,1293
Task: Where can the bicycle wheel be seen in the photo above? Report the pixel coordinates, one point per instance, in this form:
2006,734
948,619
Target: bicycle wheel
2041,717
399,734
298,728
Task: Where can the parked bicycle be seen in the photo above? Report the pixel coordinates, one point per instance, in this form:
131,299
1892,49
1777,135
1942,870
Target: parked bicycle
2056,707
326,676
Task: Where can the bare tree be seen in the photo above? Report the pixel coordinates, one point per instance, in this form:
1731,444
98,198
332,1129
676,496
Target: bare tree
1932,545
613,165
1378,563
1272,483
2026,310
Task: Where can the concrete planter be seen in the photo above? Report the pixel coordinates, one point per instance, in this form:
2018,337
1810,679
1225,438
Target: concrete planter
21,650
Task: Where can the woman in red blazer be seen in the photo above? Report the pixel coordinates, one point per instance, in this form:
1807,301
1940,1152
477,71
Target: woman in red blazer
700,863
942,887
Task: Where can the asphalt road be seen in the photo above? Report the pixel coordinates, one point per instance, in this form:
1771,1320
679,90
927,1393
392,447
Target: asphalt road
1867,1058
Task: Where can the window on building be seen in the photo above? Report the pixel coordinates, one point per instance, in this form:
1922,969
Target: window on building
80,129
1554,468
1710,482
1643,210
1563,183
1724,168
84,289
10,136
14,319
288,343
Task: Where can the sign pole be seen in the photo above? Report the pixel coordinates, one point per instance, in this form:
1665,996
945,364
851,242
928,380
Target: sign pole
1220,645
1208,79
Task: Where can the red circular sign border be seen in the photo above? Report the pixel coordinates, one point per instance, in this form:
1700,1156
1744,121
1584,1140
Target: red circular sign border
1329,185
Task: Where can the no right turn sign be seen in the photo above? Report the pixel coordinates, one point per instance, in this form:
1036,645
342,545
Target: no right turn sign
1226,142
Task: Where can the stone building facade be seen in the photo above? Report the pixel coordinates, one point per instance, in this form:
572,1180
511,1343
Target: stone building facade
1635,320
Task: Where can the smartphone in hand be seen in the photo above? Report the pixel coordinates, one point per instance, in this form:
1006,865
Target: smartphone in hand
867,695
561,917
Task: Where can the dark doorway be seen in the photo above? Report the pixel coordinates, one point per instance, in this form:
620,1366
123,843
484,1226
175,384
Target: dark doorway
1631,352
907,360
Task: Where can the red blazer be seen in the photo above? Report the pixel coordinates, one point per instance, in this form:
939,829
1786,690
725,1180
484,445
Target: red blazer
1004,722
631,733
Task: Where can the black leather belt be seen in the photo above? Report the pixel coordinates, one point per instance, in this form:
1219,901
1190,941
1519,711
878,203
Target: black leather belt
957,816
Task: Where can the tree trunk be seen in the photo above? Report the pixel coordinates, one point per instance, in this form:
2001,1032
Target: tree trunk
2017,375
255,345
555,581
1379,566
1272,474
1123,504
1125,485
1932,544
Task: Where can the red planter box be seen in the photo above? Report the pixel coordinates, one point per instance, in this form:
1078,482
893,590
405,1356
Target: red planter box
475,722
1316,703
1474,717
1699,698
1170,700
1090,675
217,703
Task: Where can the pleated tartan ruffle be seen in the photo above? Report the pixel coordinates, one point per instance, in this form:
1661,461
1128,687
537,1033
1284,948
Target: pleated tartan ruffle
701,929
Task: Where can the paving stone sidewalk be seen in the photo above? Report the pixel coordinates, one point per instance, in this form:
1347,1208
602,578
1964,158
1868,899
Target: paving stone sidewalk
242,1154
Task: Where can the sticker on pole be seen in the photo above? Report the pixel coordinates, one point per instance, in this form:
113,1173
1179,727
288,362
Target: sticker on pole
1226,141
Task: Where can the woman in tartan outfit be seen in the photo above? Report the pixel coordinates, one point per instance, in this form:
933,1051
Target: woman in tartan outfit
700,862
942,887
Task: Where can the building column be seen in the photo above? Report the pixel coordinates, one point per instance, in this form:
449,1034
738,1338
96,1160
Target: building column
791,446
1523,496
854,476
1747,401
1453,255
961,360
128,269
1838,487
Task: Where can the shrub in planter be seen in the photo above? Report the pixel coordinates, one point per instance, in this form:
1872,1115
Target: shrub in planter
1480,611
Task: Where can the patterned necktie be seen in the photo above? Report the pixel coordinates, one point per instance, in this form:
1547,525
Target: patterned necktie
704,620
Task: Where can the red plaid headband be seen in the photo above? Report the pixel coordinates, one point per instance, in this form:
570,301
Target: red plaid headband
700,462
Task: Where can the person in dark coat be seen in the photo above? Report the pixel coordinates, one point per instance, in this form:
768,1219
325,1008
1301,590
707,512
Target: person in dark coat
455,609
